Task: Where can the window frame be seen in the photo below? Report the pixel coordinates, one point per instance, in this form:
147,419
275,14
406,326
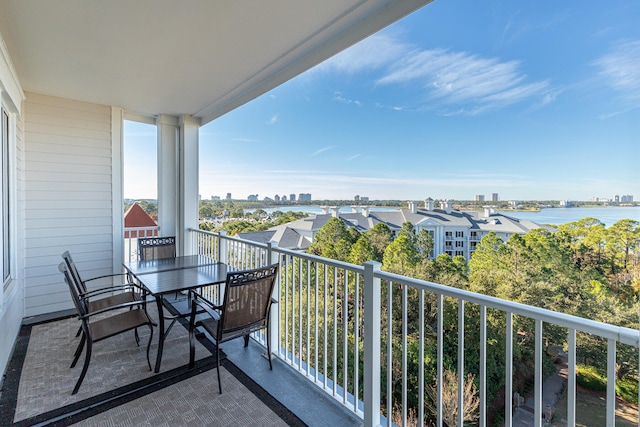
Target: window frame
5,198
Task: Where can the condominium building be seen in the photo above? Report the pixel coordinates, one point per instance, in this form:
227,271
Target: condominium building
454,232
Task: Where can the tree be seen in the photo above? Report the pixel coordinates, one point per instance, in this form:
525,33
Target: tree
424,244
622,238
362,251
401,256
333,241
471,401
379,237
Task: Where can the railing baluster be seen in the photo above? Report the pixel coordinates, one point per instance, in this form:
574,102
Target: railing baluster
508,375
356,340
315,325
345,335
439,413
325,354
300,310
571,381
460,362
421,359
335,331
405,320
308,304
483,366
389,351
611,383
537,388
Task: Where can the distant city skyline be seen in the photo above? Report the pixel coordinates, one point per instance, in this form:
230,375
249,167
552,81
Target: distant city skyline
455,100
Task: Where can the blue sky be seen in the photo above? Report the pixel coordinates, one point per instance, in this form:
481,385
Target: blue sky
530,100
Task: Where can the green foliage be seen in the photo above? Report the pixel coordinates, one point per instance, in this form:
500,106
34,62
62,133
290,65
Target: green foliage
584,269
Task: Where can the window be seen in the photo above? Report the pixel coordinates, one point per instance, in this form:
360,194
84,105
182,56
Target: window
459,253
4,191
459,233
459,244
448,234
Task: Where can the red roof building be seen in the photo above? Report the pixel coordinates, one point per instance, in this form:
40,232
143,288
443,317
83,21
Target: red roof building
136,217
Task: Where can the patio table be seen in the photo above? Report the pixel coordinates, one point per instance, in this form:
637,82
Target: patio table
166,276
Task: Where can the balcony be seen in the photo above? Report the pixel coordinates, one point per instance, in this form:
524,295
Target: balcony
327,307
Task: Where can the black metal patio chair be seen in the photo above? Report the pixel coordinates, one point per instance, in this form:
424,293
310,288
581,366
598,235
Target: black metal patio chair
106,296
97,329
156,248
245,309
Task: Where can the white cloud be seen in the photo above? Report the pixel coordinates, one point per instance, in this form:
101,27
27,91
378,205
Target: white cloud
272,120
468,82
374,52
322,150
620,68
337,96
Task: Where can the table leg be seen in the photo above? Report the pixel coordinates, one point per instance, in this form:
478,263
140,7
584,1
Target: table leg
160,304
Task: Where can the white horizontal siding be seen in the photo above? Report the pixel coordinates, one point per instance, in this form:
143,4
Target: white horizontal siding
68,196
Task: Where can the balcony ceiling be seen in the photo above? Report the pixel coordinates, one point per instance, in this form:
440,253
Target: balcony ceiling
197,57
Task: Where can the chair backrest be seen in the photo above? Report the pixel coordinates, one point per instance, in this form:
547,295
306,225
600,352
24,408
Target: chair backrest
73,271
79,302
247,299
156,248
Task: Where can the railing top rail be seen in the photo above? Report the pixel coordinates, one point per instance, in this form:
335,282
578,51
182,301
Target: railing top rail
621,334
309,257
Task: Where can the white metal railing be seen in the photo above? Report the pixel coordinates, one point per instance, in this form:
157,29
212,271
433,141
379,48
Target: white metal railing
131,236
337,322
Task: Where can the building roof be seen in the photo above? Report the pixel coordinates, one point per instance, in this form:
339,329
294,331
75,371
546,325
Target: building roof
136,217
191,57
297,235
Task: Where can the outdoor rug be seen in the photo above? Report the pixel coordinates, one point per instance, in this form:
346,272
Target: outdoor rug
119,389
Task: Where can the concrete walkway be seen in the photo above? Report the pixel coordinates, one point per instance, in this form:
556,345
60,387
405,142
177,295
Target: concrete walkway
552,388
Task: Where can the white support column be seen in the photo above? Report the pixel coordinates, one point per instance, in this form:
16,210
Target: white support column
167,127
117,160
188,197
372,306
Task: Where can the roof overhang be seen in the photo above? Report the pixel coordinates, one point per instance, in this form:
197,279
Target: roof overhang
195,57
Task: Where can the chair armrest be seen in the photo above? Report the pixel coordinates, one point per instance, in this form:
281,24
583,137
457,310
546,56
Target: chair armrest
106,275
109,289
206,305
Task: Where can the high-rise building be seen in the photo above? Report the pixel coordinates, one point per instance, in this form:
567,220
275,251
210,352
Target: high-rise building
304,197
292,197
494,197
479,197
228,196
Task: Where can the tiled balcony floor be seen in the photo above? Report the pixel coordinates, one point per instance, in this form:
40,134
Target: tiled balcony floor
120,390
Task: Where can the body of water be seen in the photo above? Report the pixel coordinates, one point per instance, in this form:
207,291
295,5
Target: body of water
608,215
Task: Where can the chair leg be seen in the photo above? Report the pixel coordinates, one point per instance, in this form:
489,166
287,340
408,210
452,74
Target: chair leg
135,333
192,346
149,344
87,358
218,366
246,340
78,352
79,331
269,347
